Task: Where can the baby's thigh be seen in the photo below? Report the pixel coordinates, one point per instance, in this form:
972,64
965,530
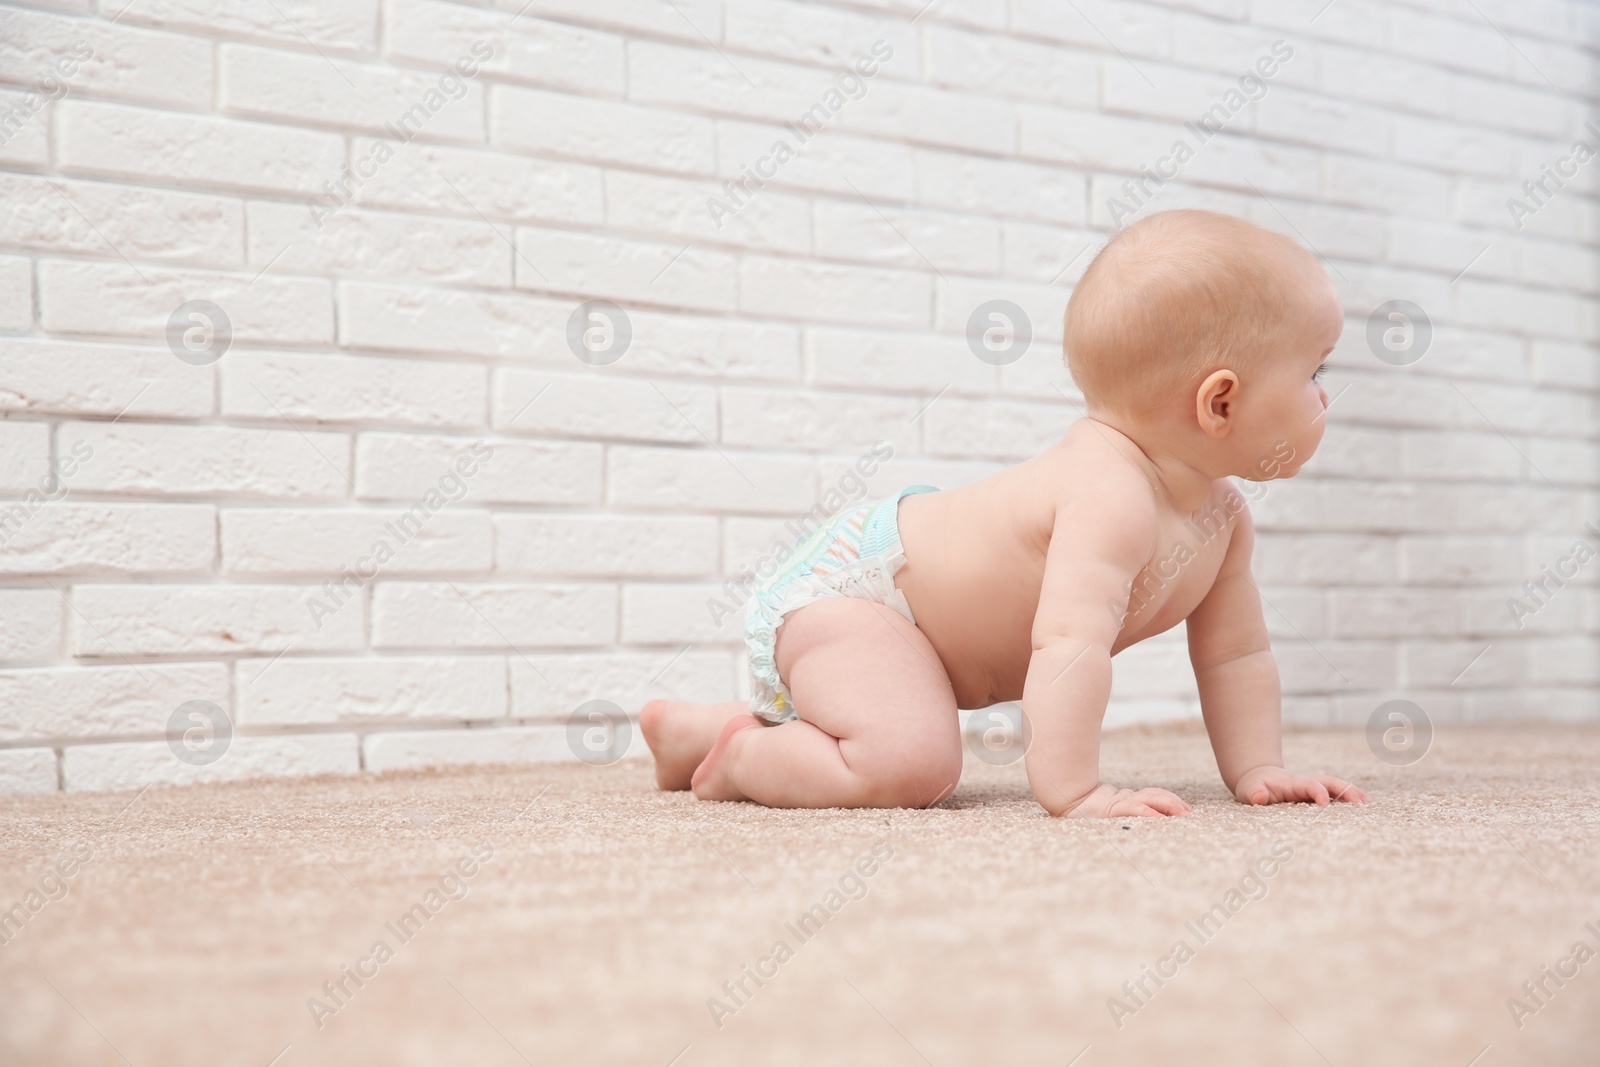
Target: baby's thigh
862,672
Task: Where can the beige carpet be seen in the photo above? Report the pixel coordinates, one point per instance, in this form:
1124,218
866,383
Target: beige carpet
608,915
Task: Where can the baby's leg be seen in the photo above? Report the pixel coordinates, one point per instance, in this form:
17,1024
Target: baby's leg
680,734
879,722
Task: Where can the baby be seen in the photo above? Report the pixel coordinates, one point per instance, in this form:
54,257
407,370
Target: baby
1197,340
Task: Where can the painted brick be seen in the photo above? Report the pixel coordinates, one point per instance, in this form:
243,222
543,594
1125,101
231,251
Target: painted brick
366,244
707,212
106,58
349,25
1001,66
406,467
492,617
321,690
326,388
895,362
25,457
86,702
119,141
596,546
115,299
324,91
27,128
552,687
838,422
531,120
187,460
443,180
82,379
864,232
317,541
155,620
690,20
802,290
815,35
16,295
670,613
962,182
30,625
66,537
646,272
828,160
694,479
449,321
993,429
522,46
27,770
93,218
602,406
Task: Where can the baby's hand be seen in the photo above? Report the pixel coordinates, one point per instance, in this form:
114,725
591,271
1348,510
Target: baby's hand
1106,801
1274,785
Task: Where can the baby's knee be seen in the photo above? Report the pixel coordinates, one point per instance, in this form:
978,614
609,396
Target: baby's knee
923,776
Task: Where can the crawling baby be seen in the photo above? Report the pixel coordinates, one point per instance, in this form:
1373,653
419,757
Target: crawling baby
1197,340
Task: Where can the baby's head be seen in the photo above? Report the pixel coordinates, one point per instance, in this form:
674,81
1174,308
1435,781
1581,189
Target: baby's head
1207,331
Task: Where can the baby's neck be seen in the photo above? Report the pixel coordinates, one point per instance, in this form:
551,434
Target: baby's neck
1183,483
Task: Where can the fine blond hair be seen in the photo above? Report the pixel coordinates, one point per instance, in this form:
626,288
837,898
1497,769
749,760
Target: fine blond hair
1176,296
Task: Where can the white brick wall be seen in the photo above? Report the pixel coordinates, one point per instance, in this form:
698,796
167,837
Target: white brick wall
399,370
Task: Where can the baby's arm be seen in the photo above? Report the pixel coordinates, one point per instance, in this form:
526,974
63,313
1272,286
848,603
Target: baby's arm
1239,690
1095,552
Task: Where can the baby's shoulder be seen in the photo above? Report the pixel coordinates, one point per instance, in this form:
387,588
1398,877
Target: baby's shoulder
1092,465
1090,484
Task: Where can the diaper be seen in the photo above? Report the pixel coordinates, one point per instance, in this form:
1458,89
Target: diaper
854,554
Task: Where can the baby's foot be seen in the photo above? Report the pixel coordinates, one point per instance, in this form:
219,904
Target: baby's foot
712,780
680,734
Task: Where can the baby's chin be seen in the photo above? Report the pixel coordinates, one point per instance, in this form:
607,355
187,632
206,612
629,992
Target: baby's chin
1278,475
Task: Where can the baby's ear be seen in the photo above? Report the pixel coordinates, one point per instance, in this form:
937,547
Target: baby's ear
1213,402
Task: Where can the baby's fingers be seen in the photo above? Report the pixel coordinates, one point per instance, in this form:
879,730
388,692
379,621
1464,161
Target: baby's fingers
1162,801
1340,789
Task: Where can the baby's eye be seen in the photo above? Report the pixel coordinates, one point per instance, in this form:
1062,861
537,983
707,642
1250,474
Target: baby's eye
1319,372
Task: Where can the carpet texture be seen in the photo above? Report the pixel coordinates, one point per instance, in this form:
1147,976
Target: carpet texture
577,916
